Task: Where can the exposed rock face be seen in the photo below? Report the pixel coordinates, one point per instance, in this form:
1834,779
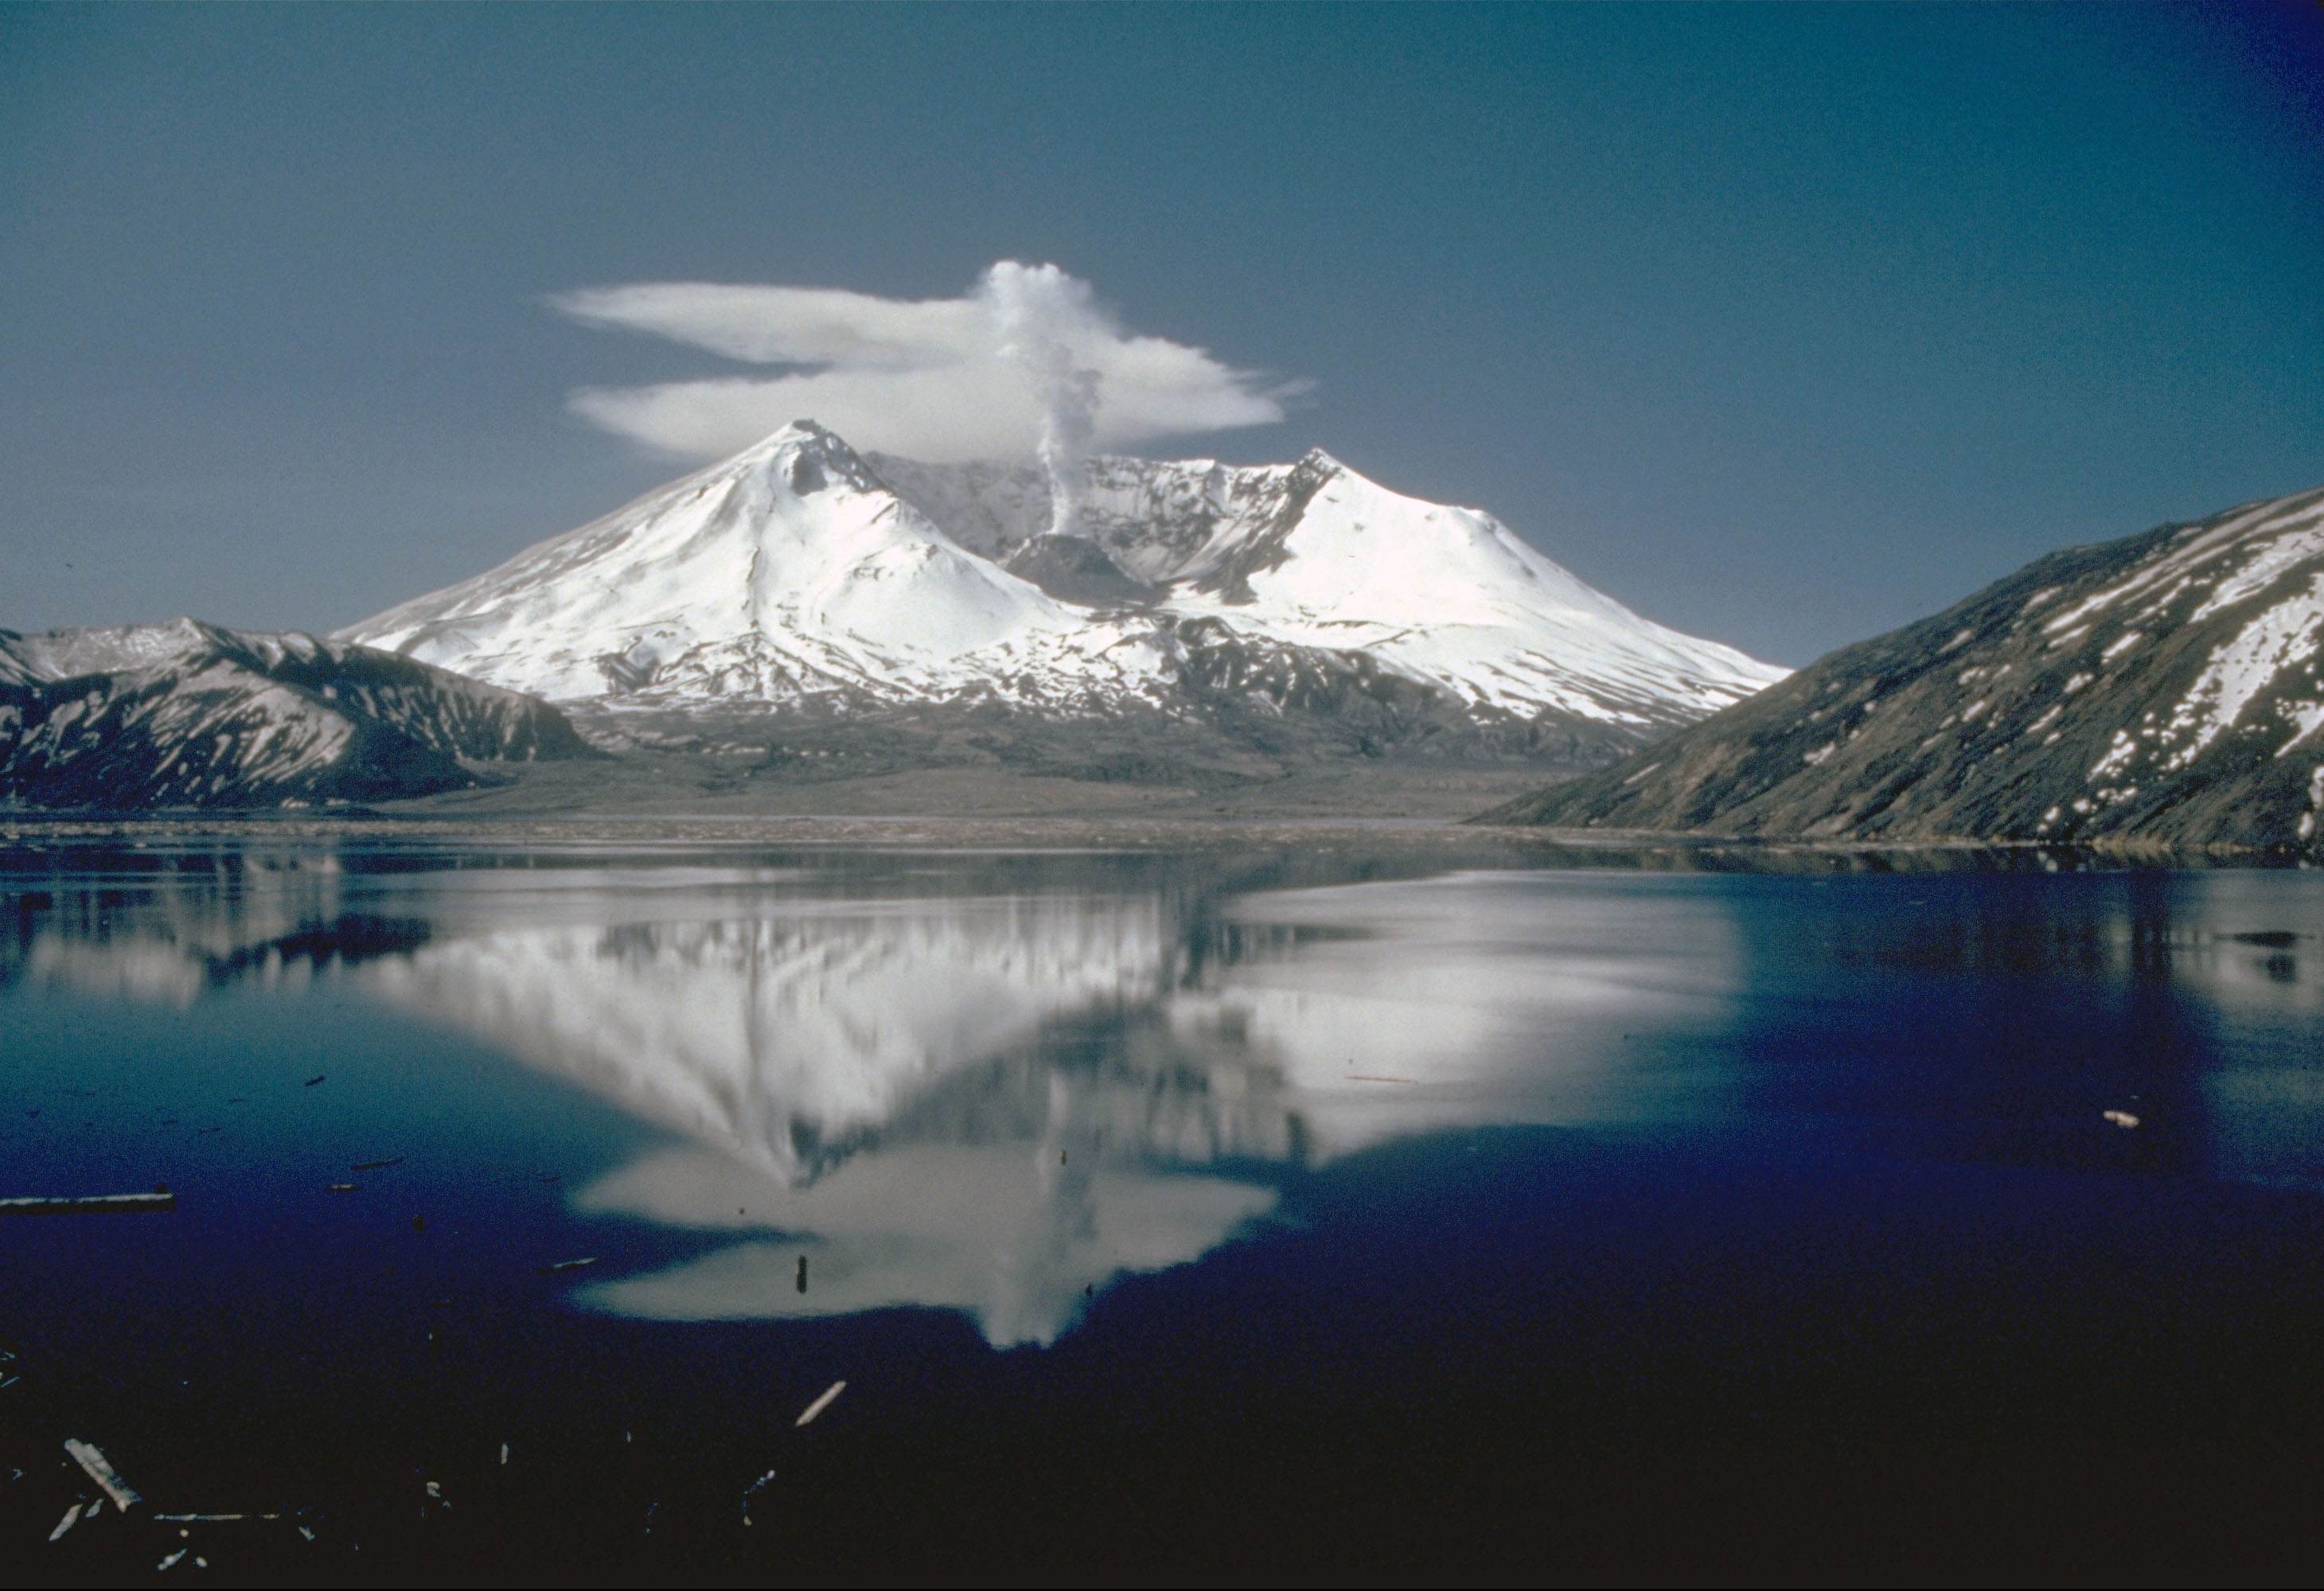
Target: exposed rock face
1075,569
2167,686
188,714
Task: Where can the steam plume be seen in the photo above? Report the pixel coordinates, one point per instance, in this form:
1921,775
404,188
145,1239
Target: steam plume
1042,314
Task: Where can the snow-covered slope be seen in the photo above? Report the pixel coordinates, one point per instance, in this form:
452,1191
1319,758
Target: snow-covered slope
191,714
784,571
1314,555
2168,685
799,570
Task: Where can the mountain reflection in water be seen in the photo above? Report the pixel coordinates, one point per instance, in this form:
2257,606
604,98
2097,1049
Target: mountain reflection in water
997,1104
988,1087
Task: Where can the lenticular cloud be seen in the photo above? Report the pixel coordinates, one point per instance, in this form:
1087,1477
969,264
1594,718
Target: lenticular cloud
1026,362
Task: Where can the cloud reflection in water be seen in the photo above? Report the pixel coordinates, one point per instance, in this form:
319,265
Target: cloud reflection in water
1009,1238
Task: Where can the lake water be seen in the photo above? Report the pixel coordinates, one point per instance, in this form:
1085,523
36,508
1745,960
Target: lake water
1366,1203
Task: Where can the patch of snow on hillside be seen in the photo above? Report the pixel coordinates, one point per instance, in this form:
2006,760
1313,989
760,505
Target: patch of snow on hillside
2242,667
2297,544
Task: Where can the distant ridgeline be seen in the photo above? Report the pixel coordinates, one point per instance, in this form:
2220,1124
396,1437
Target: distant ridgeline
187,714
2164,687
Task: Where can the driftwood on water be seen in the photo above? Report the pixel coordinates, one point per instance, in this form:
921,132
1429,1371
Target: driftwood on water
100,1469
93,1204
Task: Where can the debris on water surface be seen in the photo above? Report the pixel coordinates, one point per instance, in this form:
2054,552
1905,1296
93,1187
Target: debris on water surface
802,1273
100,1469
571,1264
344,1187
376,1164
92,1204
71,1518
1363,1076
420,1223
830,1396
753,1490
209,1518
318,1077
503,1455
171,1562
2121,1118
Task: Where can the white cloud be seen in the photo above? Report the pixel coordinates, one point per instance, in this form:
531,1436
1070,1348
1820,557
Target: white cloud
1025,362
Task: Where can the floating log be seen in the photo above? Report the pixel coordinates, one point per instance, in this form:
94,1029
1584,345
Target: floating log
571,1264
100,1470
208,1518
71,1518
94,1204
375,1164
830,1396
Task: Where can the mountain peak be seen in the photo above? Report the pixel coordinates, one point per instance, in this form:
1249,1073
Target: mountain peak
800,568
788,569
805,456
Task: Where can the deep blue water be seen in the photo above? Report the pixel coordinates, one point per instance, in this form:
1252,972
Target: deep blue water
1382,1211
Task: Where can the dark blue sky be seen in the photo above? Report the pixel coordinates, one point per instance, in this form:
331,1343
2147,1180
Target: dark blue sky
1783,324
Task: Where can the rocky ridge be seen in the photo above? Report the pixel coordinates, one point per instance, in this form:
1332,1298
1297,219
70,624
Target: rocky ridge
2166,687
188,714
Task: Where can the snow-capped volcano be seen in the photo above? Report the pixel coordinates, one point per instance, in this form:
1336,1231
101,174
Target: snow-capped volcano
799,570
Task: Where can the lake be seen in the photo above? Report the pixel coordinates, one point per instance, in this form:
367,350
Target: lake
1367,1201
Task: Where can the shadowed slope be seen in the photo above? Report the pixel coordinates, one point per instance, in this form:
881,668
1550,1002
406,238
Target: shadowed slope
2165,687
